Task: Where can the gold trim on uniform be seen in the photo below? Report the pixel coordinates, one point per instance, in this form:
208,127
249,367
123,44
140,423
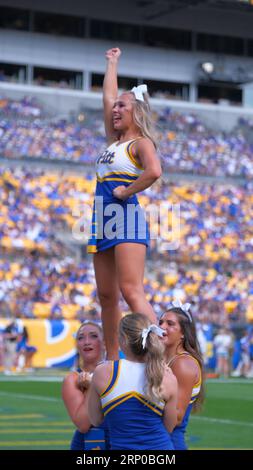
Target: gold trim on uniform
116,398
129,154
91,249
109,381
115,382
125,396
101,180
117,173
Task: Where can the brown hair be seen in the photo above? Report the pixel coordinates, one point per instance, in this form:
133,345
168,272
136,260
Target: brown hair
191,345
131,328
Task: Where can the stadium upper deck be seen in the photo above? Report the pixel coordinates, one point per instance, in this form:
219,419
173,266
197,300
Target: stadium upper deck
165,44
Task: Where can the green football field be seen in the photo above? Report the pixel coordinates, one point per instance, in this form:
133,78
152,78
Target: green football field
33,417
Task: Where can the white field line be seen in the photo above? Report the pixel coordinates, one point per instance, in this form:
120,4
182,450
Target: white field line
221,421
29,378
28,397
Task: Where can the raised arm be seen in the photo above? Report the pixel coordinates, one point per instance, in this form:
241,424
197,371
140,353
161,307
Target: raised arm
110,91
75,402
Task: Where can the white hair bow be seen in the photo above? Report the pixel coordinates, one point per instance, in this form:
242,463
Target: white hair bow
138,92
152,328
185,307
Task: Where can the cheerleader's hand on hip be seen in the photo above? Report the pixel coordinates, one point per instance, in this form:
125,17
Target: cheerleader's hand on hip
120,193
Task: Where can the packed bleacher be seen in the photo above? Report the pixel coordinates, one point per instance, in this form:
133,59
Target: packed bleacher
27,107
36,287
215,220
186,144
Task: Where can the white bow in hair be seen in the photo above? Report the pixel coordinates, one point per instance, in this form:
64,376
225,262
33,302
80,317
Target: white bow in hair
138,92
185,307
152,328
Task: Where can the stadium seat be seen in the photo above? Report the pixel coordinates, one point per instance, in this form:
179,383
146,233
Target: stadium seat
41,309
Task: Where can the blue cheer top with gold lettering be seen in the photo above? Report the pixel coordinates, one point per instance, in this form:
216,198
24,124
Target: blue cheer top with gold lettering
115,221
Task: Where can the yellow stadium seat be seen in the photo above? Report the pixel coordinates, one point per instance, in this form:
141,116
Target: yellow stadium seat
42,202
15,268
28,244
191,289
41,309
230,241
230,305
6,242
158,298
249,313
69,311
197,198
225,200
171,279
181,191
171,135
9,276
211,274
87,289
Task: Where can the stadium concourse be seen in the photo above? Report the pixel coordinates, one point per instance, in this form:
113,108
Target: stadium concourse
44,272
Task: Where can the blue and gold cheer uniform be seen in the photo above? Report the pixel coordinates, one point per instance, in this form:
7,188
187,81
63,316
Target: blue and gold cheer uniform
115,221
133,421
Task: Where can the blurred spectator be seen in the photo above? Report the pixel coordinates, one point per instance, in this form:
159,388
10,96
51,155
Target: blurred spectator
11,336
222,344
1,349
244,367
25,352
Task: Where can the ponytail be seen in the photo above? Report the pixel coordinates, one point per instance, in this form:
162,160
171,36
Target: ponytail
155,366
151,351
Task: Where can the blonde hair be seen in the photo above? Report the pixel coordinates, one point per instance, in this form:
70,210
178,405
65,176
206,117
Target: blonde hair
91,323
130,328
143,119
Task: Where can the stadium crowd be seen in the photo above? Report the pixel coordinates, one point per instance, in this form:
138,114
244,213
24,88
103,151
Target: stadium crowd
38,287
186,144
215,220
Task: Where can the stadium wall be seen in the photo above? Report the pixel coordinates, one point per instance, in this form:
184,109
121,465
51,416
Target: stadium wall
54,340
224,18
88,55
